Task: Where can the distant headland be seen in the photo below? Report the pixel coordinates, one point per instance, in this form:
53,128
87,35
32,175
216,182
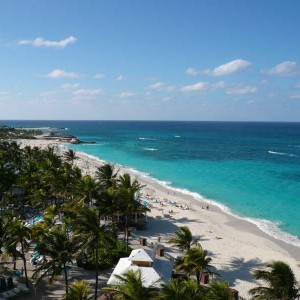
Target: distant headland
7,132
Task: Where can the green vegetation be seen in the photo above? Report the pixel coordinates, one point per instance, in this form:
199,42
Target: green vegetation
183,239
34,180
79,290
281,283
7,132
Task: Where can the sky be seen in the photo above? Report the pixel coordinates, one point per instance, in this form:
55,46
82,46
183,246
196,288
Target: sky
204,60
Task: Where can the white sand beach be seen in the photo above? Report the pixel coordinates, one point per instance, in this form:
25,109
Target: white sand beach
235,245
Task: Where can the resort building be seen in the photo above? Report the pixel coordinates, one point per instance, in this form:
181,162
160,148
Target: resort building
155,270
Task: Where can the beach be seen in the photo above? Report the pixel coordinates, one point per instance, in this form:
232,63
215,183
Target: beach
236,246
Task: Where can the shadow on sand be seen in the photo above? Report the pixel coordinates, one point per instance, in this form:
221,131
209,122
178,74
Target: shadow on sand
240,268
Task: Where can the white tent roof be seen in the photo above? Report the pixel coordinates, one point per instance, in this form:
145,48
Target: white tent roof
153,277
141,255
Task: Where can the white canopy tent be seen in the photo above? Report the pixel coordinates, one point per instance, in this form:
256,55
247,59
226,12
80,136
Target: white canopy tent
154,270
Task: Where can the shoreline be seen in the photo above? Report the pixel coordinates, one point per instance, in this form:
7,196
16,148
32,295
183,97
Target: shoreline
236,245
293,248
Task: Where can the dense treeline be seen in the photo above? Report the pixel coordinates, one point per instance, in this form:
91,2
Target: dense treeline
38,181
7,132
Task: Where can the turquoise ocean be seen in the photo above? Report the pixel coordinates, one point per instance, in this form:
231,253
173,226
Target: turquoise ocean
251,170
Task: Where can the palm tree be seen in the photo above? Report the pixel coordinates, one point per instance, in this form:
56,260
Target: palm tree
183,239
7,175
70,156
193,290
281,282
128,194
79,290
92,232
52,157
107,176
87,189
178,289
219,291
8,198
195,261
38,230
107,203
17,242
61,249
6,220
130,288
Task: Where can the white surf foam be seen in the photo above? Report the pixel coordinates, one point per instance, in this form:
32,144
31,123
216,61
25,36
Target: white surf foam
89,144
268,227
150,149
281,153
145,139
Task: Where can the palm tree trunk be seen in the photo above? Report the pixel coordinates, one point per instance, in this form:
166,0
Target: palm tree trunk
66,280
126,232
97,258
198,275
24,262
15,262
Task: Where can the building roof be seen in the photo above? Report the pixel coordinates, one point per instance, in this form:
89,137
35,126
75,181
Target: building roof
153,276
141,255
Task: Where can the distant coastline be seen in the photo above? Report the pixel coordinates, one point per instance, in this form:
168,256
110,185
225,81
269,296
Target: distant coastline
40,133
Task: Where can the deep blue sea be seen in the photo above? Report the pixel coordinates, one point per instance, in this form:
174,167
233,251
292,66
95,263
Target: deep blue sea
249,169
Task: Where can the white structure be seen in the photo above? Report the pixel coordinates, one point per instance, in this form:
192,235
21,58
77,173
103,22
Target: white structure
154,270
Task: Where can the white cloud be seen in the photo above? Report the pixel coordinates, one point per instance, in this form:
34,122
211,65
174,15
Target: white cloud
156,86
126,94
286,68
166,99
229,68
242,90
191,72
99,76
196,87
203,86
86,94
160,86
297,85
57,73
120,77
41,42
70,86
